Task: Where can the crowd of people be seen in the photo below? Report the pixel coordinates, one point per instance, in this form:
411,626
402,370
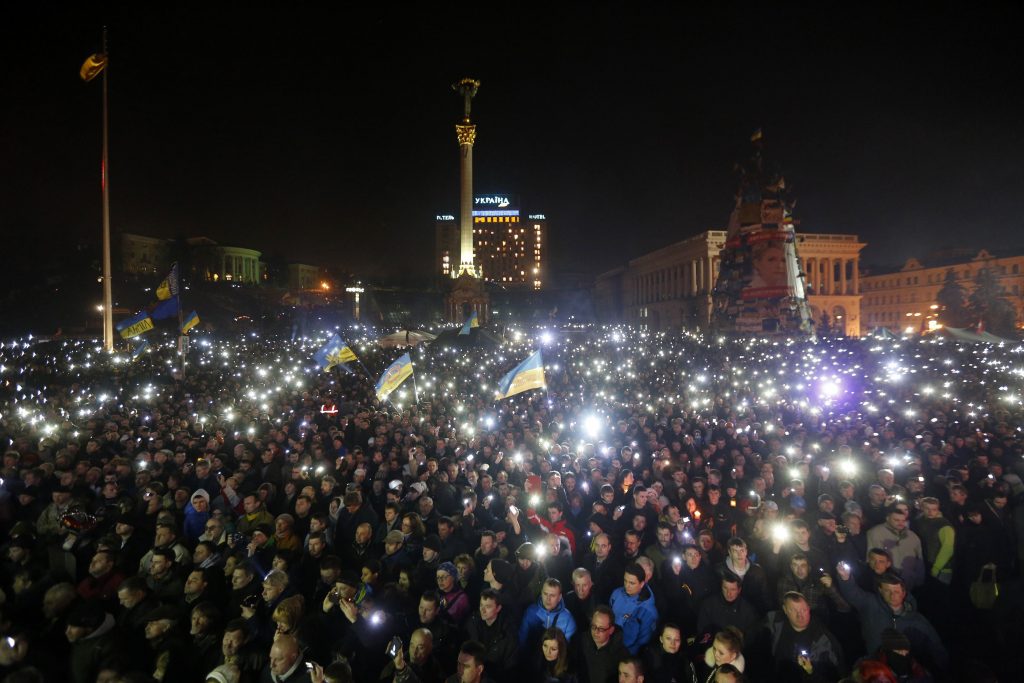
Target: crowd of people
671,508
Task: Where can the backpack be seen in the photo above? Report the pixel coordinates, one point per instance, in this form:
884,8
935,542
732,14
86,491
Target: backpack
985,591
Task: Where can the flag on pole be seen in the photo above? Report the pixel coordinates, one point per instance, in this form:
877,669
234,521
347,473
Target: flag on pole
527,375
93,66
334,352
471,322
140,348
165,309
396,373
135,325
191,321
169,287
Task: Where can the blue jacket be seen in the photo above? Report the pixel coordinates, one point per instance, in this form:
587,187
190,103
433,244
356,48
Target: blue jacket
536,619
636,616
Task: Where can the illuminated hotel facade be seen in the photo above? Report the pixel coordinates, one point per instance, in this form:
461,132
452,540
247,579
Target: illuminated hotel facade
904,301
670,288
509,249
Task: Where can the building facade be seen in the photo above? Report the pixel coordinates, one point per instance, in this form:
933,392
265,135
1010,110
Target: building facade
212,262
141,255
670,288
904,301
509,248
831,267
303,276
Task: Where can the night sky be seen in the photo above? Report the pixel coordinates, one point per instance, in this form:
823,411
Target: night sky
328,138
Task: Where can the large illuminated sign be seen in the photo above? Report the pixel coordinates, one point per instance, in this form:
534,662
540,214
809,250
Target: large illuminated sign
538,217
496,201
444,217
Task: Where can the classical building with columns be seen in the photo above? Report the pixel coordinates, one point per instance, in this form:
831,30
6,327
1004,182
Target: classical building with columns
213,262
831,267
670,288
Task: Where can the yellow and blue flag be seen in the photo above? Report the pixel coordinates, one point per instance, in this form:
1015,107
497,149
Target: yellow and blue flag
527,375
471,322
334,352
397,372
93,66
191,321
140,348
169,287
165,309
135,325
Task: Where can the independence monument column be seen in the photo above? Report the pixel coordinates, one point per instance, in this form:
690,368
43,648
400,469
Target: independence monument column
466,134
468,294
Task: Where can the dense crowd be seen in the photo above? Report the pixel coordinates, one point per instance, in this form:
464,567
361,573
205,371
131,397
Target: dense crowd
670,508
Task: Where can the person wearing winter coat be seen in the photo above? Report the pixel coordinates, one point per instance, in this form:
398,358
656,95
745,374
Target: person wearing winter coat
196,513
666,662
892,606
496,631
802,648
601,649
549,611
634,609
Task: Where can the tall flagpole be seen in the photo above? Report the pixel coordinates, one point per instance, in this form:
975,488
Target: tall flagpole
108,297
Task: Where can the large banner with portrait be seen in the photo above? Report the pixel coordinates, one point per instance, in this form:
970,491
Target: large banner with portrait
759,290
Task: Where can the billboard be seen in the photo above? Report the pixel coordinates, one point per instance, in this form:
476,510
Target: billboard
497,204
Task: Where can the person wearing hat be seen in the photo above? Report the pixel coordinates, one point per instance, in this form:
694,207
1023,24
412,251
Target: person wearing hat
456,602
48,525
94,641
172,658
426,569
895,653
396,556
530,574
29,505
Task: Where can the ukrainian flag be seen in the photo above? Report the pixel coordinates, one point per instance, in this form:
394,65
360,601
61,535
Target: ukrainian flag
169,287
191,321
334,352
471,322
165,309
527,375
93,66
397,372
139,349
135,325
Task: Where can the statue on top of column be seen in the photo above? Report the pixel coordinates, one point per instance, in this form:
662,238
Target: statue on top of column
466,87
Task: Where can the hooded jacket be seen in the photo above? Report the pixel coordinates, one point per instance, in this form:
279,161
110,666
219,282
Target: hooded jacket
636,615
536,619
195,521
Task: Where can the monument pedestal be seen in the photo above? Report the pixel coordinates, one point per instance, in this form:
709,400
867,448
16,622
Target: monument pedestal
468,295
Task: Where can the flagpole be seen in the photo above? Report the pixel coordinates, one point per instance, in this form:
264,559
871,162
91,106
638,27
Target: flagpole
182,337
108,297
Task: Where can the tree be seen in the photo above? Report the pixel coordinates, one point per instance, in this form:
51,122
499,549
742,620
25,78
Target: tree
952,301
825,324
988,303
